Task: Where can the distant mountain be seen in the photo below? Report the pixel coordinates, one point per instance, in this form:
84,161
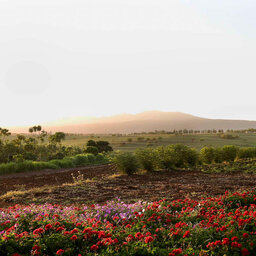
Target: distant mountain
142,122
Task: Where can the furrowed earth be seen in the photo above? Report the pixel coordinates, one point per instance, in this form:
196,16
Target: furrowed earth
98,184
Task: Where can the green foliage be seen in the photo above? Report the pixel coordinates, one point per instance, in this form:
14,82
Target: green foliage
176,156
147,158
91,143
165,157
102,146
229,153
207,155
184,156
244,153
127,163
67,162
92,150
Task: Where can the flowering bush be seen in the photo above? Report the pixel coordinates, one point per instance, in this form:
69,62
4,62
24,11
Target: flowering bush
212,226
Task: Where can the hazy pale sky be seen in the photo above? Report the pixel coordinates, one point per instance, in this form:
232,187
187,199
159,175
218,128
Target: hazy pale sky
63,58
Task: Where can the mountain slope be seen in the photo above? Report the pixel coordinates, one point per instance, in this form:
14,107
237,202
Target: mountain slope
142,122
148,121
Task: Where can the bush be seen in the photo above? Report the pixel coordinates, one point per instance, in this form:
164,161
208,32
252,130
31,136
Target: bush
80,159
92,150
165,157
218,156
184,156
67,162
207,155
91,158
244,153
63,163
176,156
229,153
102,146
101,159
127,163
147,158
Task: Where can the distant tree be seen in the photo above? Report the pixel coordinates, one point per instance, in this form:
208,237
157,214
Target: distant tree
4,132
91,143
103,146
57,137
92,150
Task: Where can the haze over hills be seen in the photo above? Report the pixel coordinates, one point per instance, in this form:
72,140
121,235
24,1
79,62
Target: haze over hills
142,122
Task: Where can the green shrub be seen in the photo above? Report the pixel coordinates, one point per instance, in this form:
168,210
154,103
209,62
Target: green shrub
67,162
92,150
218,156
184,156
91,158
101,159
229,153
80,159
147,158
244,153
165,157
127,163
207,155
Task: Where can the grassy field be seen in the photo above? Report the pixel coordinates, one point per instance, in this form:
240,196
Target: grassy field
132,142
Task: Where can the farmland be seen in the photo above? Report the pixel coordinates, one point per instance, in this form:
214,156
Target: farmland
171,197
132,142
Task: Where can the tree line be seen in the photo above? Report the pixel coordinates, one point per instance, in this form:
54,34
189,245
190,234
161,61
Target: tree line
41,146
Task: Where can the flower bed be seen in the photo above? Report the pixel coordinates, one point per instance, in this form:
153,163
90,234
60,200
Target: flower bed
212,226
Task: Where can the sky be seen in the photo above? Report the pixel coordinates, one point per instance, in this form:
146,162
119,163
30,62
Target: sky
62,58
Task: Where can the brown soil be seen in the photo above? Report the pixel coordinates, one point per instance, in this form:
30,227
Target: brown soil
104,186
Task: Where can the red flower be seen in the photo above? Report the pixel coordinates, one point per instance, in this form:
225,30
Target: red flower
35,247
176,251
138,235
225,241
94,247
59,229
60,251
48,226
38,231
148,239
75,230
186,234
74,237
245,252
245,235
